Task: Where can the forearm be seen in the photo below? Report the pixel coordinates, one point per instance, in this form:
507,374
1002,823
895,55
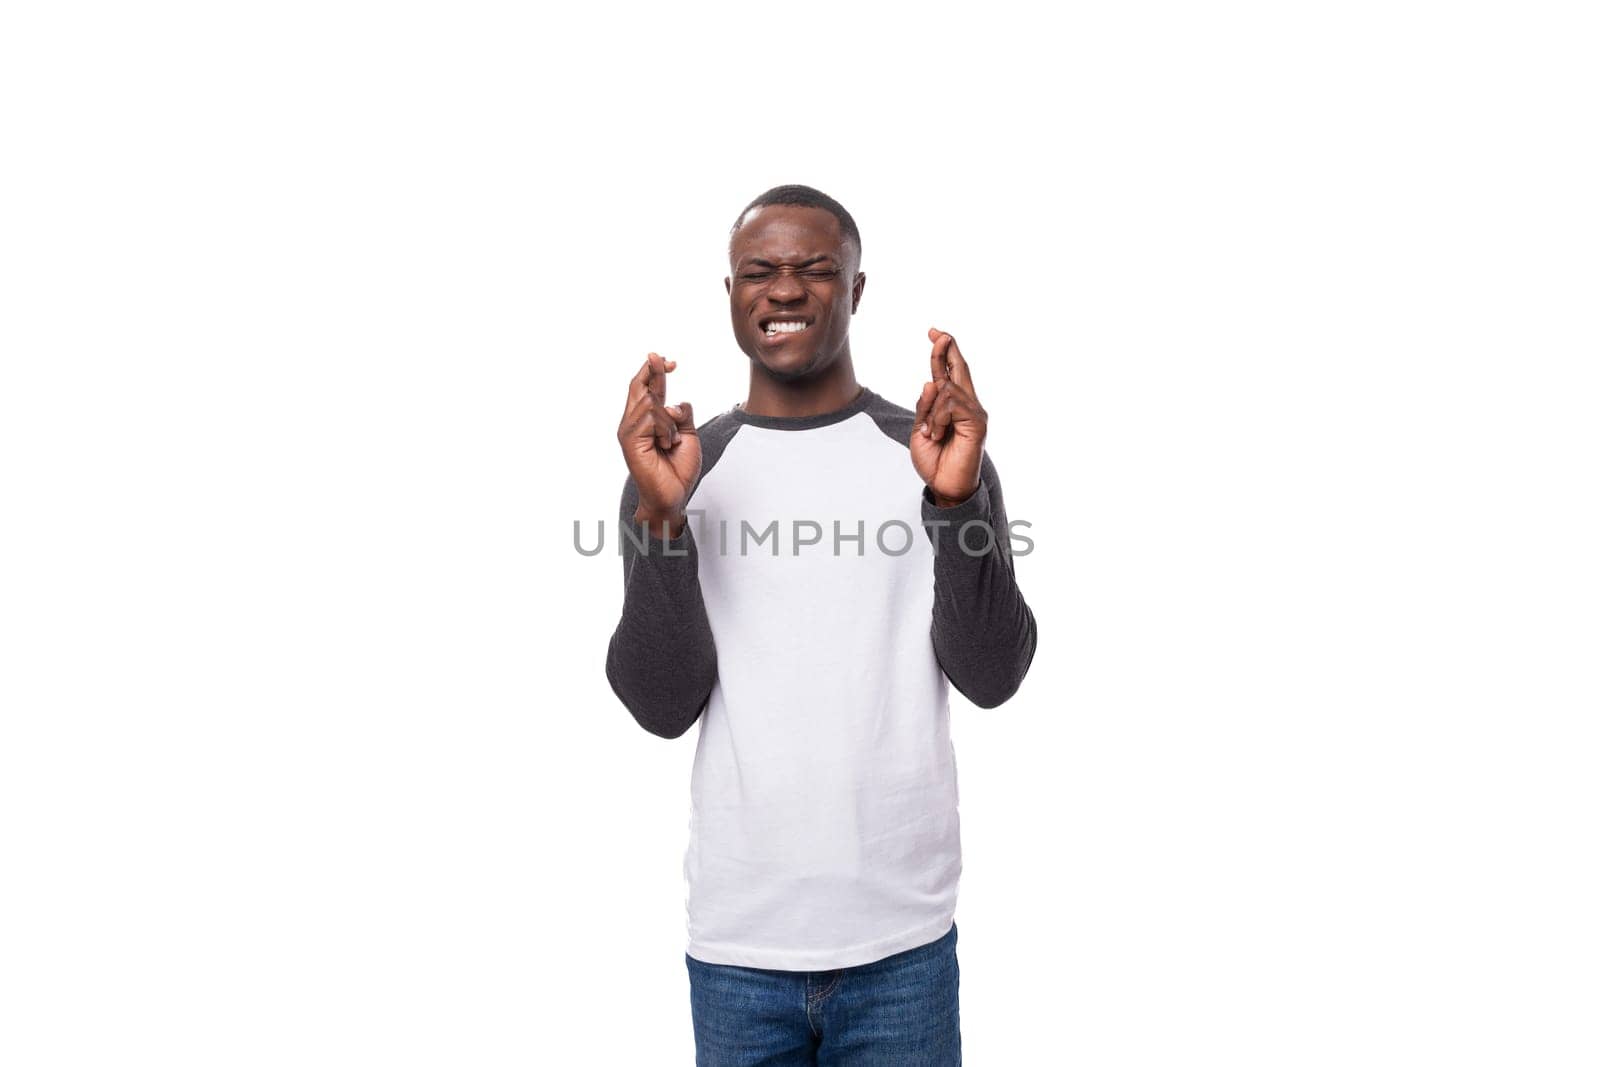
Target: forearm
984,633
661,660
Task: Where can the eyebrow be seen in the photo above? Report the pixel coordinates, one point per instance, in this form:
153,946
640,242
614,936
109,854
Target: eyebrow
810,262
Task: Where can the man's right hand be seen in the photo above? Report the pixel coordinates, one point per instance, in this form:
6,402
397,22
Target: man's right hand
661,447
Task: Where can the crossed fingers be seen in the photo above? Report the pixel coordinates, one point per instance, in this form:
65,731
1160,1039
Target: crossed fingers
950,394
647,393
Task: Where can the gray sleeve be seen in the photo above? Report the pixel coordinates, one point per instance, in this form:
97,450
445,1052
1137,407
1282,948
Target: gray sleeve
662,661
983,631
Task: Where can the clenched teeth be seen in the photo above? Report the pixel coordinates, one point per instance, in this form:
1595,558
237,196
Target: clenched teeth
775,328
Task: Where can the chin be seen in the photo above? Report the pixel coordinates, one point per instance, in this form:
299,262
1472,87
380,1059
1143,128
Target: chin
790,375
791,371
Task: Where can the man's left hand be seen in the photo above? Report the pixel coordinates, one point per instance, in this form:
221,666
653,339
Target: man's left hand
947,439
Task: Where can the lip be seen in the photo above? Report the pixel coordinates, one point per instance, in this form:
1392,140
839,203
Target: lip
779,338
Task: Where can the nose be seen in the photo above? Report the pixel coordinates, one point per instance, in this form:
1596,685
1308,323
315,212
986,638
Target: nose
785,289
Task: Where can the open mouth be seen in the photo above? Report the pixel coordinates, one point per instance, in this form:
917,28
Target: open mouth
781,327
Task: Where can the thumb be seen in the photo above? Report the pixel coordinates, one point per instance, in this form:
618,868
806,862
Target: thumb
682,416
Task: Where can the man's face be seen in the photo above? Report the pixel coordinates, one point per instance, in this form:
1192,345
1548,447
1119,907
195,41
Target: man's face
793,289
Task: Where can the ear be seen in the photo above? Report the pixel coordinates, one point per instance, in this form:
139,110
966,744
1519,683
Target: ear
856,290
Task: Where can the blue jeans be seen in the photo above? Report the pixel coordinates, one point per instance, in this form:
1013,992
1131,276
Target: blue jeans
900,1011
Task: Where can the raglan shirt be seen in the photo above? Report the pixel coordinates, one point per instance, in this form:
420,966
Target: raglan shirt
811,616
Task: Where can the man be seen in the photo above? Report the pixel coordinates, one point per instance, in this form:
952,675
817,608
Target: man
819,566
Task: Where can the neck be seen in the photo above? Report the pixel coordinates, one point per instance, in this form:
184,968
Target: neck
813,395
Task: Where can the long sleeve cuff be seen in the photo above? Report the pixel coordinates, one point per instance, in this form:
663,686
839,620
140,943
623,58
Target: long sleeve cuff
944,525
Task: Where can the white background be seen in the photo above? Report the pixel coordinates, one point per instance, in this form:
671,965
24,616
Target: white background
317,321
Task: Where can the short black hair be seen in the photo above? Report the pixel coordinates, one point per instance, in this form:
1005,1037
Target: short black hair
802,196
